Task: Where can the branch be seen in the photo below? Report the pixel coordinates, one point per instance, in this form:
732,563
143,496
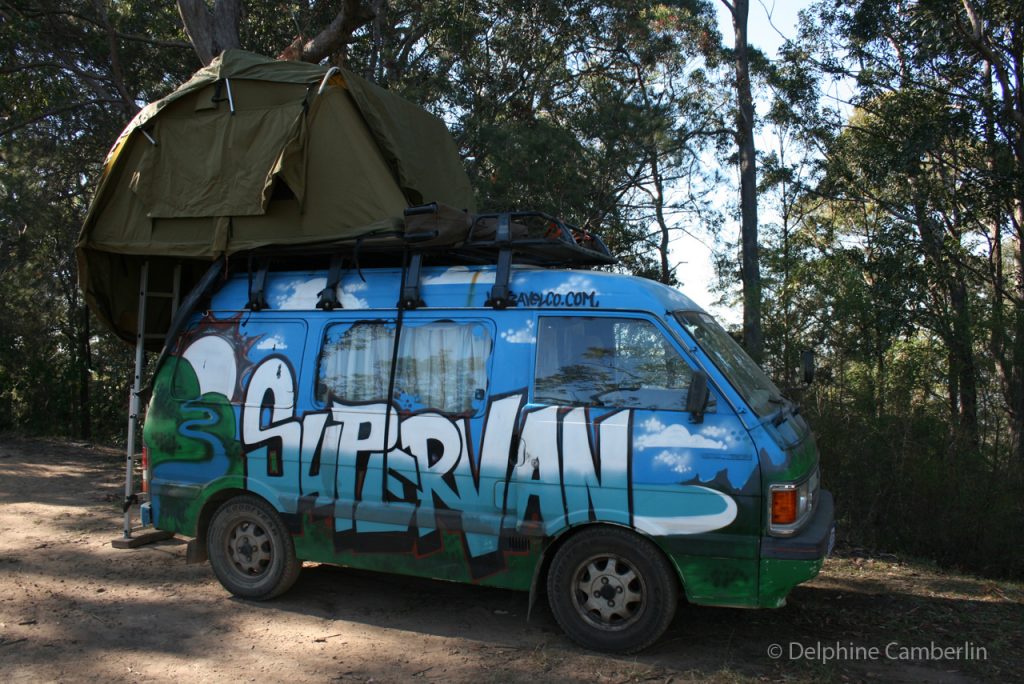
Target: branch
984,46
115,59
179,44
58,110
338,34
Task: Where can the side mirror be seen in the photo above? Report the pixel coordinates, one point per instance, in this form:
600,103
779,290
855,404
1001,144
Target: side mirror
807,366
698,396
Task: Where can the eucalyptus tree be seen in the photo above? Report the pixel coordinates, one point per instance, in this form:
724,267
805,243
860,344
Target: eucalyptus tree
750,267
940,86
73,73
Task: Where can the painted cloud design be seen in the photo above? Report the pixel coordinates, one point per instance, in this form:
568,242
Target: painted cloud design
656,434
299,294
575,283
524,335
272,343
304,294
347,296
679,462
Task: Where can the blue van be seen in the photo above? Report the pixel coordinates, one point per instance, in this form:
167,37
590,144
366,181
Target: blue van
590,435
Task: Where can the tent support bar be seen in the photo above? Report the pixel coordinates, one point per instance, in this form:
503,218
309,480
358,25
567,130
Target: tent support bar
257,284
133,401
176,290
410,295
328,297
500,293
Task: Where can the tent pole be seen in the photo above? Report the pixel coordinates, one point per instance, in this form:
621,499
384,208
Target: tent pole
133,401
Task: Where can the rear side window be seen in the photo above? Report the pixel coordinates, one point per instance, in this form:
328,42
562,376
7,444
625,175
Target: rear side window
355,361
615,362
442,365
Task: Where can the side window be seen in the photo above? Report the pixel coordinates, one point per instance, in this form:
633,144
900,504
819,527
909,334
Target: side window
620,362
355,362
442,365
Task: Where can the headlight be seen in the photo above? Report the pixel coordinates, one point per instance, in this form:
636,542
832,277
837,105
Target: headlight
791,504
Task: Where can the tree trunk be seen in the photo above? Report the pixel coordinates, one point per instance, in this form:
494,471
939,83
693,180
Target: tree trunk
954,324
84,363
963,355
750,271
211,32
1014,370
659,213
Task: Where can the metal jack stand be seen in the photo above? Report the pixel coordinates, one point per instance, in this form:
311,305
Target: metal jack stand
127,541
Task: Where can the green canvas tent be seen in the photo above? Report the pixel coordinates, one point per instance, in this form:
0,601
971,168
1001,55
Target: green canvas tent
253,152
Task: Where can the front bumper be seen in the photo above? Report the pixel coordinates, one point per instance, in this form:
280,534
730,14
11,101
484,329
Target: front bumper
786,562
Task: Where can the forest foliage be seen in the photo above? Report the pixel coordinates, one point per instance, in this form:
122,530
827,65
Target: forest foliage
890,194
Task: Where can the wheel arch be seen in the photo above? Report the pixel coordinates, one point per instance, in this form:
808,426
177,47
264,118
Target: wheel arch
196,550
540,571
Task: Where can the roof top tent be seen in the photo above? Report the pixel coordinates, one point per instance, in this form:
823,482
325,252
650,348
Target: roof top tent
249,152
253,152
255,159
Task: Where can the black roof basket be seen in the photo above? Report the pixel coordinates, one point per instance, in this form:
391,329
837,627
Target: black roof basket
536,238
530,237
440,235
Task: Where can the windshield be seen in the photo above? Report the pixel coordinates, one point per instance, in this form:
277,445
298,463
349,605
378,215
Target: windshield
750,381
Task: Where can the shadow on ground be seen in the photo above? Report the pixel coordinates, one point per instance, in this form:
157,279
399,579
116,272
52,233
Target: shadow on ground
71,606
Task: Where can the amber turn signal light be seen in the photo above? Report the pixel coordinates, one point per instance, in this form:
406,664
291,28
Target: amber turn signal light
784,507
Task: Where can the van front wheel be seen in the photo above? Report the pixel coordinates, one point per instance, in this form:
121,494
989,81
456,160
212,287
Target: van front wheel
612,590
250,550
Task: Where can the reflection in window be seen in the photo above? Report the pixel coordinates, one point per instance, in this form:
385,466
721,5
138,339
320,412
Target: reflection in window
619,362
442,365
355,362
742,371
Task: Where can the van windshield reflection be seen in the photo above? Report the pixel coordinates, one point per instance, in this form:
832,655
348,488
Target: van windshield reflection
743,374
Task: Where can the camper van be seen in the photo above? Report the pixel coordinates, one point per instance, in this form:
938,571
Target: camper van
357,369
587,435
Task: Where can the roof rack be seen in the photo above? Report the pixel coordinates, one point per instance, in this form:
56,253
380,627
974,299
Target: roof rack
442,236
536,238
531,237
433,232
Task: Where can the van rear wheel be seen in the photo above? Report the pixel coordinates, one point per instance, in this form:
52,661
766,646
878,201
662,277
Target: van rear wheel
612,590
250,550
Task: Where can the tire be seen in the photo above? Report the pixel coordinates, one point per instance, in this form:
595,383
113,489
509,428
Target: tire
250,550
612,590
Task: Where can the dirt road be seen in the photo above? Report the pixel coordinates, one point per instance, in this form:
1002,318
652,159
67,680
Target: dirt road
72,608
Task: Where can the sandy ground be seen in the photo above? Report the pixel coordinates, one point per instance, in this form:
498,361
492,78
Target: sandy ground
72,608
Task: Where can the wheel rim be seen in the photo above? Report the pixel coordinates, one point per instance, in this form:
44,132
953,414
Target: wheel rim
608,592
250,549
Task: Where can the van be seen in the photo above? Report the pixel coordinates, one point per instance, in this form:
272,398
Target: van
591,435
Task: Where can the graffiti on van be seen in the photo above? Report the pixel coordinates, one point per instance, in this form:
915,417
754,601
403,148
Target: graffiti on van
375,479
